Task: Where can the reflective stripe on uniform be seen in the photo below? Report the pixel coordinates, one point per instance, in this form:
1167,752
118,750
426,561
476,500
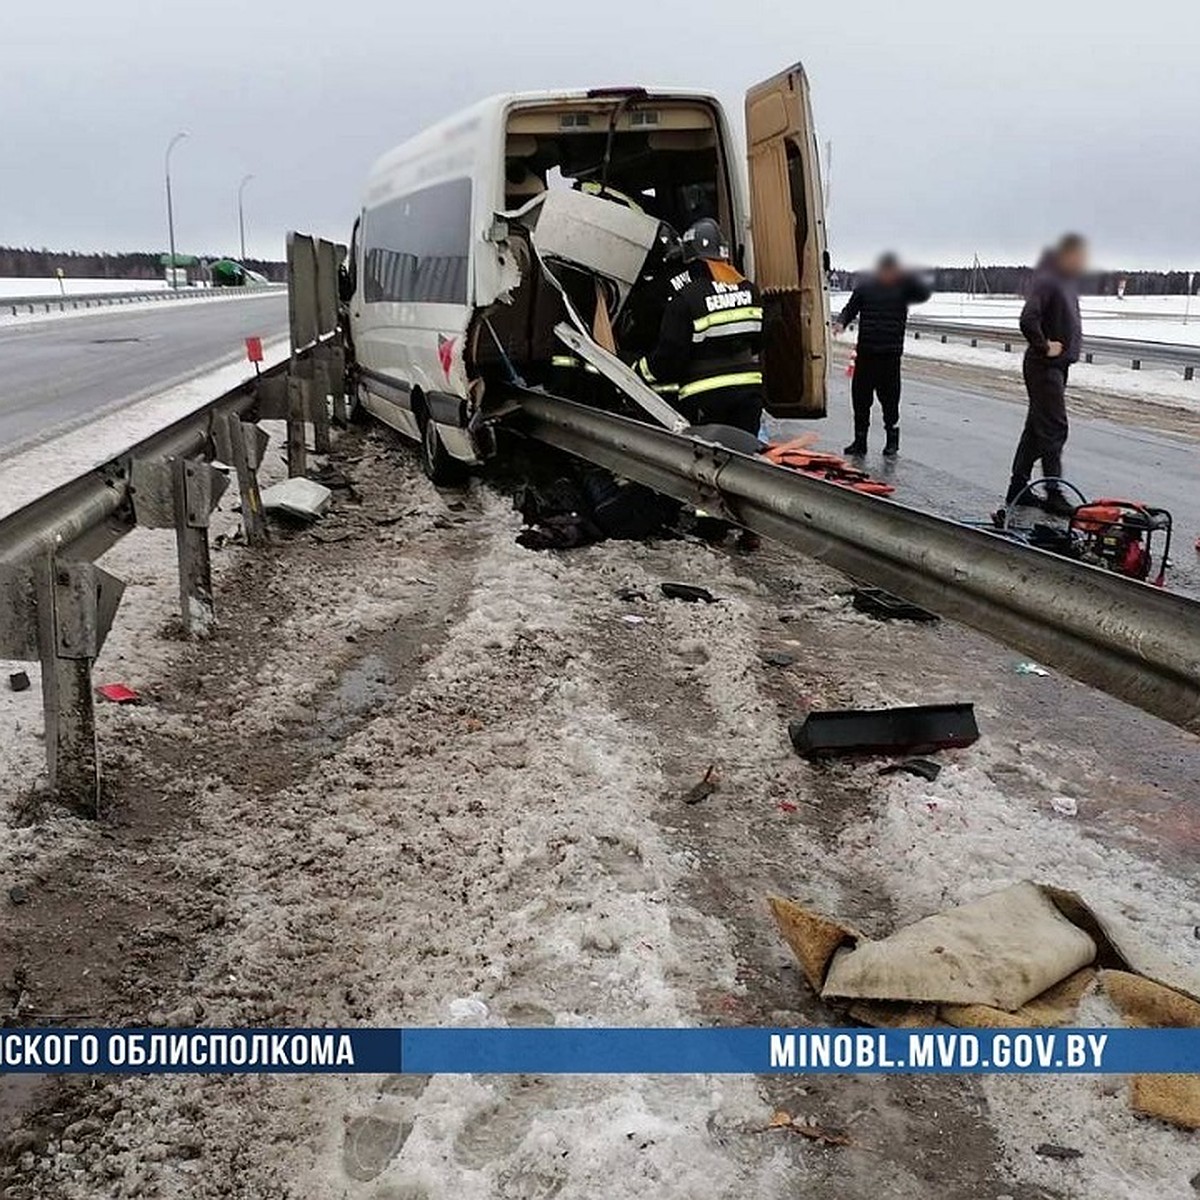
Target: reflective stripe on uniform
735,379
747,319
665,389
572,363
642,367
731,329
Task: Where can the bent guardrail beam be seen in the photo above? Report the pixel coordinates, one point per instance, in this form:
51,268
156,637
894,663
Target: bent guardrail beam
1131,640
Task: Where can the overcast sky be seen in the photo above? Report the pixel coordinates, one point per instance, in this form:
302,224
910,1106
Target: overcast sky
957,127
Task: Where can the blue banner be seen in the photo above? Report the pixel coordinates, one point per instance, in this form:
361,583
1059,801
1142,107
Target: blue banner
619,1051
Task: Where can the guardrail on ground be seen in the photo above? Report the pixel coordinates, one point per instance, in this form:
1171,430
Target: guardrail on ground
1170,354
57,605
21,305
1131,640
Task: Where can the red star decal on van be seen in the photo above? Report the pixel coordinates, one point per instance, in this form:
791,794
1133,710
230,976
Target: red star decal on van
446,353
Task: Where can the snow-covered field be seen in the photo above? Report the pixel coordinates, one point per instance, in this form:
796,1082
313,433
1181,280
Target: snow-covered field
456,776
1141,318
49,288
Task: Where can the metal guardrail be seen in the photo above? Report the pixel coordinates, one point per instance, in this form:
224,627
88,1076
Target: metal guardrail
1171,354
57,605
1131,640
28,305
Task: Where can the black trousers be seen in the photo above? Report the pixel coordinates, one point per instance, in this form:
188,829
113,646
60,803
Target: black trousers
1045,432
875,375
741,407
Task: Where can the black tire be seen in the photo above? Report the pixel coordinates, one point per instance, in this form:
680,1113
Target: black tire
438,465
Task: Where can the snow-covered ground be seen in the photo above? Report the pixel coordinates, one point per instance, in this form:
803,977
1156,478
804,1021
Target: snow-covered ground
456,775
1141,318
1162,387
25,286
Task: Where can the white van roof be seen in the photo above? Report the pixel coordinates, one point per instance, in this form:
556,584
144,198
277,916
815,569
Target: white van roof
451,145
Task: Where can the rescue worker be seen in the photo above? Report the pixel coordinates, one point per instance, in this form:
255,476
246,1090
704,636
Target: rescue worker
710,337
880,305
1054,333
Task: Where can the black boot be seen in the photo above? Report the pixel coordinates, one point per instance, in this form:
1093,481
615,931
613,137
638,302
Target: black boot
1056,504
858,447
892,446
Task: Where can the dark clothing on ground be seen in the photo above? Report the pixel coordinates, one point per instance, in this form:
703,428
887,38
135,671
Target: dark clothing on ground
707,362
1051,314
1045,432
882,312
875,375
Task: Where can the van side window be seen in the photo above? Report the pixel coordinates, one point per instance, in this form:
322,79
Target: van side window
416,246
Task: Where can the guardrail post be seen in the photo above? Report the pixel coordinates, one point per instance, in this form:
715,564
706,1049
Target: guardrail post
297,452
337,371
192,506
1189,373
76,604
318,398
246,464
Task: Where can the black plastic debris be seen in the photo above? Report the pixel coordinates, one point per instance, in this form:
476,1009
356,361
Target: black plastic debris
920,729
18,681
688,592
631,595
885,606
17,894
922,768
705,788
777,658
1062,1153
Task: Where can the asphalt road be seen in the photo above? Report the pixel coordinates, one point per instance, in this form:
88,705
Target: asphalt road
957,441
58,374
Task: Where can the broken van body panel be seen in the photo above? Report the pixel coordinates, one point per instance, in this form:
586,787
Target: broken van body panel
451,302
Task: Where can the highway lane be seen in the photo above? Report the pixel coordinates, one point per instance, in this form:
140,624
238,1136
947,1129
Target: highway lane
62,373
958,437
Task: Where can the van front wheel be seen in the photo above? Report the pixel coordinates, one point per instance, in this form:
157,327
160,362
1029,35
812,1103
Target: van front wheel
438,465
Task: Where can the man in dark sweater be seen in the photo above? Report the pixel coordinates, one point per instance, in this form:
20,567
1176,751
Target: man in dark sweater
881,307
1053,330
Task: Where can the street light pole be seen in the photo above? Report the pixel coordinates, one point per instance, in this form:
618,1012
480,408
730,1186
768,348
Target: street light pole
170,210
242,215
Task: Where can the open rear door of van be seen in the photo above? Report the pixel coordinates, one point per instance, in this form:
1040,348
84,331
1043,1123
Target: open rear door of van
787,230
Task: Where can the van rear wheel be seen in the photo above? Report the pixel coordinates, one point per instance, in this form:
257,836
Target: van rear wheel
436,462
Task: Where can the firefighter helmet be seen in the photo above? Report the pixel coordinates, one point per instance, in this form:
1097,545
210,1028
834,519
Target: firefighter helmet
705,240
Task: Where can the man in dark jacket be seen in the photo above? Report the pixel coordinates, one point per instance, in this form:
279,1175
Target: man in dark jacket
706,363
1051,324
881,307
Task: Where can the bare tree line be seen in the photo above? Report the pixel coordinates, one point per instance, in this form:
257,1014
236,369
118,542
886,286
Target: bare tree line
17,262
